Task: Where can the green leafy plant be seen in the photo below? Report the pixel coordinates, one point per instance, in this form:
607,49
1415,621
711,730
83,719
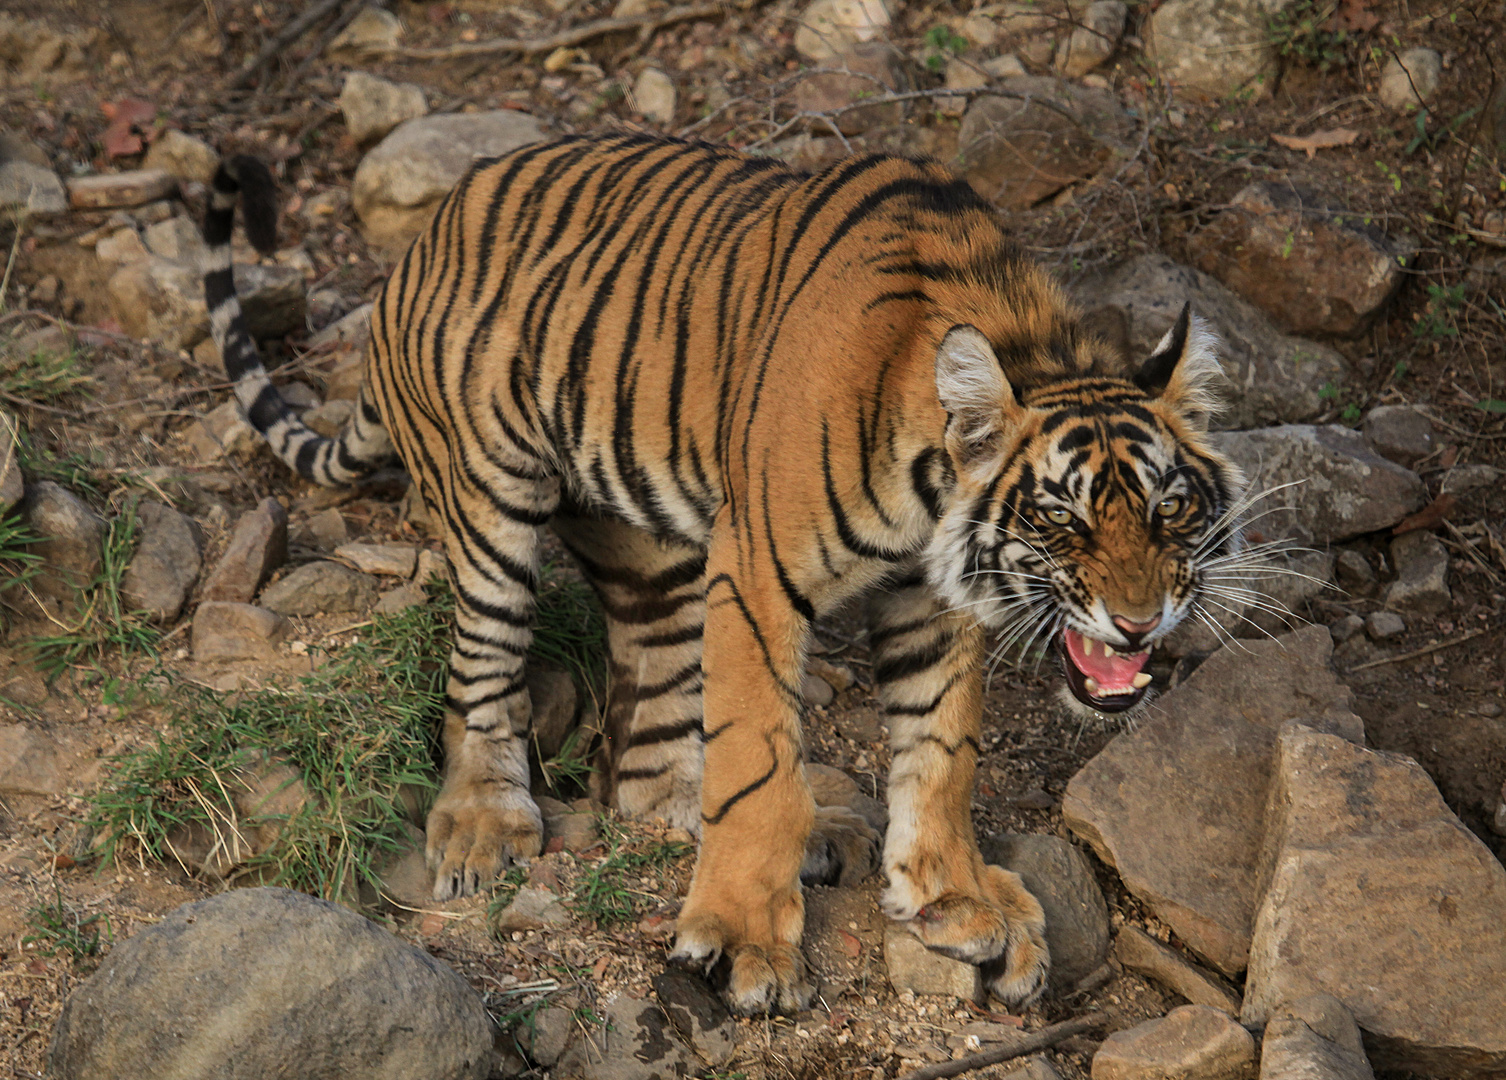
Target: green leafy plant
18,563
58,927
606,893
1437,319
104,621
569,631
1304,32
1492,405
941,42
358,733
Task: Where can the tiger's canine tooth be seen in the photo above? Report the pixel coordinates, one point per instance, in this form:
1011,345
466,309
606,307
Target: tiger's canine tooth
1090,684
1108,650
1140,681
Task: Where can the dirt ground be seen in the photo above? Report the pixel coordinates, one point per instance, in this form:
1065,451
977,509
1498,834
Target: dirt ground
1444,708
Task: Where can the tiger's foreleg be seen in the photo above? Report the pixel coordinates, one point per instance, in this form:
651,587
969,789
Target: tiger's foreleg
653,593
744,915
484,816
927,663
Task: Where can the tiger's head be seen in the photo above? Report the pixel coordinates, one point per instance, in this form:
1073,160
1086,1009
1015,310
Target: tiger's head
1088,509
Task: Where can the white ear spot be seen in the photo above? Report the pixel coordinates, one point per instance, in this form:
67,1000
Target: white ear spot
972,389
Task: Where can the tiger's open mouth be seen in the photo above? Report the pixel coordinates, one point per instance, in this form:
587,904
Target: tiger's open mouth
1100,677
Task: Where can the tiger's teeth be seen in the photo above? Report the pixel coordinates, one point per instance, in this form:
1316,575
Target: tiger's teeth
1141,681
1108,650
1090,684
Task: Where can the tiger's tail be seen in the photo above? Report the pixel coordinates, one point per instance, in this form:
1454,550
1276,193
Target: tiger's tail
362,445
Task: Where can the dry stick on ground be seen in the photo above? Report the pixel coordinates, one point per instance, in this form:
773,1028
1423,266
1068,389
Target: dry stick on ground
1040,1040
341,21
281,40
1424,651
564,39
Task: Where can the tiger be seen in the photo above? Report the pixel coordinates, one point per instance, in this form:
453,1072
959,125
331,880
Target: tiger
742,395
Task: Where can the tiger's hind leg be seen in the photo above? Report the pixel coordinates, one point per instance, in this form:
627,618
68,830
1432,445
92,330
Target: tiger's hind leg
653,593
484,816
926,662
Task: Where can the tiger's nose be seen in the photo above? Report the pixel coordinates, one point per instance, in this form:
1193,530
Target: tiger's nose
1135,632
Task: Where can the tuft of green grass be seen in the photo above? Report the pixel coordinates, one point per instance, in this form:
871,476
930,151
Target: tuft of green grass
43,375
18,562
1437,320
606,893
73,470
569,630
571,767
359,732
104,622
57,927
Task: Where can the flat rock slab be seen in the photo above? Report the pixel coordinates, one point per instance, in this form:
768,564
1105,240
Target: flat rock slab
1338,487
915,968
1061,878
320,587
1192,1042
1176,805
267,982
637,1042
1273,378
697,1014
1137,951
1380,896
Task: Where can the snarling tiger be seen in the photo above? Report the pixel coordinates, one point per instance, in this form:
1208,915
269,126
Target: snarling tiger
743,394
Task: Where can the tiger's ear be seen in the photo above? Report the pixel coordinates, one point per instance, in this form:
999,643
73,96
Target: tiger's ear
971,386
1184,371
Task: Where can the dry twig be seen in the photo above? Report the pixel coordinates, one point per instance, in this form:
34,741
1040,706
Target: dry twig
644,24
1424,651
1039,1040
281,40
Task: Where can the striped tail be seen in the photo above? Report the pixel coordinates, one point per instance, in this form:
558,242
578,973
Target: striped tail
362,445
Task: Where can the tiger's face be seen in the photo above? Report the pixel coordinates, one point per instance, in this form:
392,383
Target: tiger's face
1087,513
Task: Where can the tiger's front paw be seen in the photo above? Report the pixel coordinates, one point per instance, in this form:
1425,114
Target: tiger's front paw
843,849
755,978
474,832
1001,929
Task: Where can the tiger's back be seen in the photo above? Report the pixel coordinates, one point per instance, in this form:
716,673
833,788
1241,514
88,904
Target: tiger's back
742,394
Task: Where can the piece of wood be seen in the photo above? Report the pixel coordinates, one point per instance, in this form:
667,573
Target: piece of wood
1038,1040
1424,651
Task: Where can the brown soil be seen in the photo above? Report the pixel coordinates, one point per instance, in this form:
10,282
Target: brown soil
1436,708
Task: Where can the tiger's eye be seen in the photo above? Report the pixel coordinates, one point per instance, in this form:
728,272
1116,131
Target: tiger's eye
1058,516
1170,506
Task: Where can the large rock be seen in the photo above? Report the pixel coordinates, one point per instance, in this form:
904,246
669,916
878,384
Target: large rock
1203,755
1016,152
267,982
1192,1042
1399,433
1061,878
827,28
1094,40
72,539
166,563
1314,269
162,300
399,184
1214,46
1314,1038
1273,378
321,587
1410,79
1339,487
915,968
1421,585
258,546
183,156
223,630
373,106
1379,896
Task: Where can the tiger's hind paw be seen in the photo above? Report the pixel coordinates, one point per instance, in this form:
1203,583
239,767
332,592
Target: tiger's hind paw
843,848
754,979
472,836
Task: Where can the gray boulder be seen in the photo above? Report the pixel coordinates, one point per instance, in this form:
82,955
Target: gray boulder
1314,1038
398,185
267,982
320,587
1333,487
1273,378
373,106
166,564
1061,878
636,1042
1421,585
72,538
1214,46
1192,1042
258,545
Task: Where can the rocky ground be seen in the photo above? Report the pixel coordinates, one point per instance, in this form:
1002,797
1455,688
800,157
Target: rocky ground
1294,857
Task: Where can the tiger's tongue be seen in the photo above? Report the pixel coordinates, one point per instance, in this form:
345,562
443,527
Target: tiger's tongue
1110,672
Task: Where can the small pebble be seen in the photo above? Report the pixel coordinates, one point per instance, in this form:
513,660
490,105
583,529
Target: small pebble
1345,628
1490,708
1381,625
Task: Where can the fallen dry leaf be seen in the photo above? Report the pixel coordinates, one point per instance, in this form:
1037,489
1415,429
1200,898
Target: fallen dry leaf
1429,517
127,117
850,944
1318,140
